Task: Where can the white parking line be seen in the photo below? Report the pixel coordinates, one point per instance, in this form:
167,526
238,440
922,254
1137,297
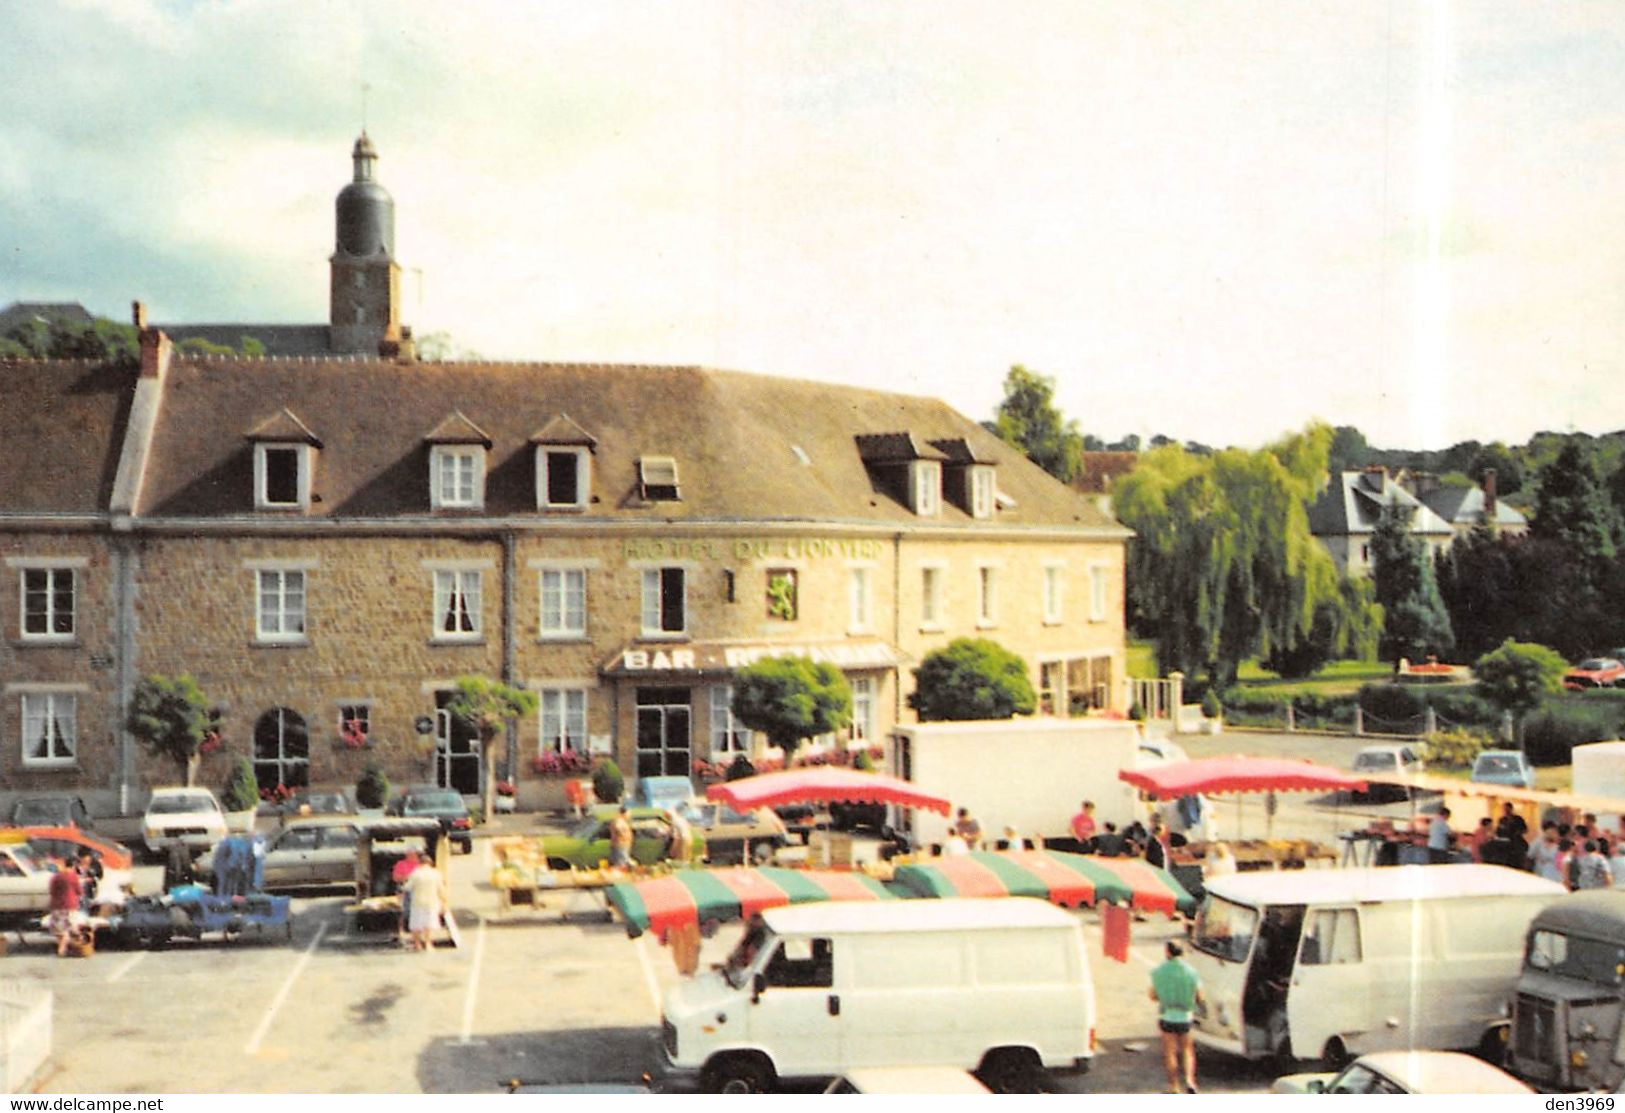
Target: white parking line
125,966
473,983
642,948
253,1045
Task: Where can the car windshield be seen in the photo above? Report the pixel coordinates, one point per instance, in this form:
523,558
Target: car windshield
755,940
322,801
1379,760
1595,664
1224,929
1497,763
181,803
1575,956
28,857
40,813
700,815
427,802
586,828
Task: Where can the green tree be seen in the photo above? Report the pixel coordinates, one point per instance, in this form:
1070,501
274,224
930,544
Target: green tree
485,705
1348,451
168,717
1498,458
1029,419
790,699
1415,623
1223,566
1571,506
1518,676
972,678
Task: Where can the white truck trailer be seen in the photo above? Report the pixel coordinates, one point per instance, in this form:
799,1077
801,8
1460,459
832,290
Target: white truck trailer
1031,774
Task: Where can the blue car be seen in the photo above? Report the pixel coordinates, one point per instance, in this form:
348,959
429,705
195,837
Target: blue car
1503,767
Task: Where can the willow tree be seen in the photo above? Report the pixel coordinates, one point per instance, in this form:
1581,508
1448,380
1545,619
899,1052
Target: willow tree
1223,566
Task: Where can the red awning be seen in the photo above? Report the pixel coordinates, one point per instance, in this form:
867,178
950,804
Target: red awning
1238,774
823,783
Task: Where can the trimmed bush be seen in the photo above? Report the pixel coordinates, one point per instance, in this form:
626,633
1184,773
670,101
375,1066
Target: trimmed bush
1211,707
1551,733
241,792
608,784
1391,706
372,788
1457,749
739,768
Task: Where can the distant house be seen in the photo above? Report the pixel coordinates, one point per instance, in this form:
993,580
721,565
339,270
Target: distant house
1345,516
1465,507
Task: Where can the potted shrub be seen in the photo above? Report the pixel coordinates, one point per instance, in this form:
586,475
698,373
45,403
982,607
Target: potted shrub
504,800
372,789
1212,713
608,784
240,795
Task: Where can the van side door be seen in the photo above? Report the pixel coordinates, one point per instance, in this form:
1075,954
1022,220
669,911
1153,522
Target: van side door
796,1017
1329,995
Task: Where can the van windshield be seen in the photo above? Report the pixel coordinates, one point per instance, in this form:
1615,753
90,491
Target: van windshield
1574,956
1225,930
737,968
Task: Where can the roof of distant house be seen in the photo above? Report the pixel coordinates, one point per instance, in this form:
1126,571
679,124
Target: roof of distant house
1353,501
1464,506
1100,470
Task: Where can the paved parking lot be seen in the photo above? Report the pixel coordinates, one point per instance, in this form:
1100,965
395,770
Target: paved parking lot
534,996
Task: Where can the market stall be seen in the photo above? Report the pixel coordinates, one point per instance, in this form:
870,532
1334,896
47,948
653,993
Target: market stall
706,897
823,784
1236,774
1071,880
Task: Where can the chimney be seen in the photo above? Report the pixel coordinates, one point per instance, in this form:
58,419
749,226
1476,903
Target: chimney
398,345
155,346
1489,496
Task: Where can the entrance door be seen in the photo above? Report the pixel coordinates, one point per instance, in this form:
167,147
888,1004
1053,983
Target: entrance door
1330,994
456,750
664,741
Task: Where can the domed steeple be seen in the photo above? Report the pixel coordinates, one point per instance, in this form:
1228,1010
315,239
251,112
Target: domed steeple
366,280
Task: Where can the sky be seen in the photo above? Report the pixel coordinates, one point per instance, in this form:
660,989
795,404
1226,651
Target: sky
1213,221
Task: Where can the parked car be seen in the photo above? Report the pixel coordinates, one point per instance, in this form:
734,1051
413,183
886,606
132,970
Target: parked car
53,810
732,837
307,853
1388,761
25,884
1406,1072
1503,767
1595,672
189,816
661,792
62,844
307,801
444,804
586,844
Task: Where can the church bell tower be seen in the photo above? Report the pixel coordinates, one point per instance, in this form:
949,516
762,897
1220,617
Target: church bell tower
366,281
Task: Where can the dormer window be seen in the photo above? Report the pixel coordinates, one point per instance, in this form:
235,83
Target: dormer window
981,491
925,482
563,465
458,477
562,477
457,452
657,479
284,457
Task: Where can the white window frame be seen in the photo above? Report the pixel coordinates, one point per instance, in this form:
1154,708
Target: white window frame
981,491
463,465
1055,695
865,698
567,623
987,595
583,468
291,624
1054,591
925,487
728,736
51,572
562,716
45,707
933,595
860,598
468,586
653,607
262,500
1099,592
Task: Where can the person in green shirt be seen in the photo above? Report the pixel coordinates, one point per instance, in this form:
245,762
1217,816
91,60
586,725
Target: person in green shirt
1177,991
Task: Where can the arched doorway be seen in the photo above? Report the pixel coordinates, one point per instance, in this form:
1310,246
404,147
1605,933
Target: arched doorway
281,749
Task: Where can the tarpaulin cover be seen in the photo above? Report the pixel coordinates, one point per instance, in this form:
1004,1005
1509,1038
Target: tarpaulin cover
1072,880
701,896
822,783
1238,774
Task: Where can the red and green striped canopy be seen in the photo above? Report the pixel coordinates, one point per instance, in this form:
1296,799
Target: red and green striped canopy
700,896
1072,880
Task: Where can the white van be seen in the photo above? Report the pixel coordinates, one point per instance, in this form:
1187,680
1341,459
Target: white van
1336,963
1000,986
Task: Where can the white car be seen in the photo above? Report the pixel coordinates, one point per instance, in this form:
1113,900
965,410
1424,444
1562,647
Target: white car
1407,1072
191,817
1388,761
25,884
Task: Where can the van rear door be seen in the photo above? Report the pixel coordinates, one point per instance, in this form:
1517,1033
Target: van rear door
797,1018
1330,992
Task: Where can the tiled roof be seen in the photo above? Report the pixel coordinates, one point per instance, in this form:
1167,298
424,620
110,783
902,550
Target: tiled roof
279,340
457,429
1353,501
891,448
284,425
1099,469
61,430
561,430
1465,506
749,447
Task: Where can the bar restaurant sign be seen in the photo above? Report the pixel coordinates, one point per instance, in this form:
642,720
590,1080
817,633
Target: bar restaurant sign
726,658
752,548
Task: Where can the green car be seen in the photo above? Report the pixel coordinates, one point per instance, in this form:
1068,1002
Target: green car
586,845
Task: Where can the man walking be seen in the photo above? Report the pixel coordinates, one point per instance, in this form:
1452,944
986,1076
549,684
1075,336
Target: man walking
1177,991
